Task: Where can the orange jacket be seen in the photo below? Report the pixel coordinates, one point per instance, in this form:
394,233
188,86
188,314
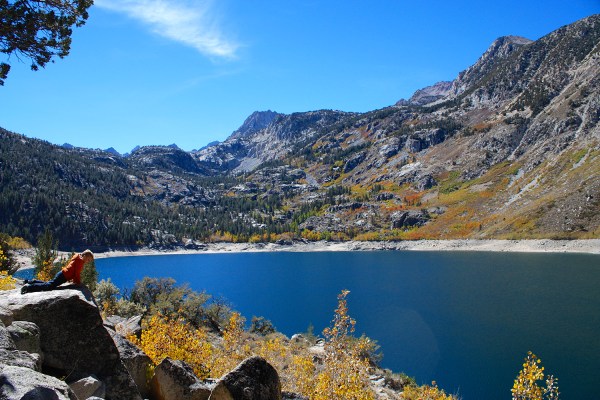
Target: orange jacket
72,271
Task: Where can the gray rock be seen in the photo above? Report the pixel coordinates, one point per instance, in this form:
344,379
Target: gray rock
130,326
437,210
26,336
112,320
406,219
88,387
413,145
425,182
6,341
323,223
300,339
253,379
391,148
25,383
5,315
136,362
175,380
434,136
72,337
354,161
19,358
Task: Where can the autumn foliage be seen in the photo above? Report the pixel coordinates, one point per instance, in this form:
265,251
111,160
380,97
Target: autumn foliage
7,282
341,372
530,383
164,337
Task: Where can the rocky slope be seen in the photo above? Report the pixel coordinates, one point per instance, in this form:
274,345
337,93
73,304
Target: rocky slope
509,149
54,345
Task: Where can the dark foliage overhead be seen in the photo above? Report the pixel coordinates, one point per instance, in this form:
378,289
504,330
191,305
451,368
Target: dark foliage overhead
38,30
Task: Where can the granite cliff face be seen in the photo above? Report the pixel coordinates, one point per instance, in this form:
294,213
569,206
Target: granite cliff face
510,148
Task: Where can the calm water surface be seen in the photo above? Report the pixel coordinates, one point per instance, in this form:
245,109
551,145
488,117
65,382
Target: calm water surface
463,319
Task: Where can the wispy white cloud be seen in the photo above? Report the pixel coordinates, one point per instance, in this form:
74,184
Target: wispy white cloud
193,23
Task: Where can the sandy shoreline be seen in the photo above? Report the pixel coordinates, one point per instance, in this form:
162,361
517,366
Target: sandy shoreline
591,246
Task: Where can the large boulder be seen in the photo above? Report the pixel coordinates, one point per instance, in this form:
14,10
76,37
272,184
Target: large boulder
175,380
26,336
10,354
25,383
72,338
253,379
136,361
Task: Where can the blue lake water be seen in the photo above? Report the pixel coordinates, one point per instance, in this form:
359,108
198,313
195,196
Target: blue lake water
463,319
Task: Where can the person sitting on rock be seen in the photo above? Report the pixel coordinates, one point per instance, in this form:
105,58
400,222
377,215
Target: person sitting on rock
71,272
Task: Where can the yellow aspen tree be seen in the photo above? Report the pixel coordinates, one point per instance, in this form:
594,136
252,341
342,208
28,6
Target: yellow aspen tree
529,384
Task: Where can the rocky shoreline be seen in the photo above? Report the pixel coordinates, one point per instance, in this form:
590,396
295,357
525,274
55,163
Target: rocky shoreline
590,246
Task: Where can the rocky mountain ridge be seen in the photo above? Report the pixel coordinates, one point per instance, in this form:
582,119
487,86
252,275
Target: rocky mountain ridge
509,149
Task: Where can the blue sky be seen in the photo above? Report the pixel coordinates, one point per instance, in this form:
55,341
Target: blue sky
145,72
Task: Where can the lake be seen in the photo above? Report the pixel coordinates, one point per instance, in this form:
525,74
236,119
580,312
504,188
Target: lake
463,319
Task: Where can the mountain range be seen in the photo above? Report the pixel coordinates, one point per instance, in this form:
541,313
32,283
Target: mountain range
508,149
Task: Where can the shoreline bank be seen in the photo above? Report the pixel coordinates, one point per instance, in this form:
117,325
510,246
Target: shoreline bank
589,246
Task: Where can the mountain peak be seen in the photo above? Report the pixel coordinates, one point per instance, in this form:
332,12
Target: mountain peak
255,122
520,40
431,93
499,50
112,150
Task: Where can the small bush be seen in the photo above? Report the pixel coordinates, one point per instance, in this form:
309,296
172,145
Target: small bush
164,337
425,392
261,326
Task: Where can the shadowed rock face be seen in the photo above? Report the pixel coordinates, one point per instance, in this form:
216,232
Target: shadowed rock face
175,380
253,379
25,383
73,341
135,360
